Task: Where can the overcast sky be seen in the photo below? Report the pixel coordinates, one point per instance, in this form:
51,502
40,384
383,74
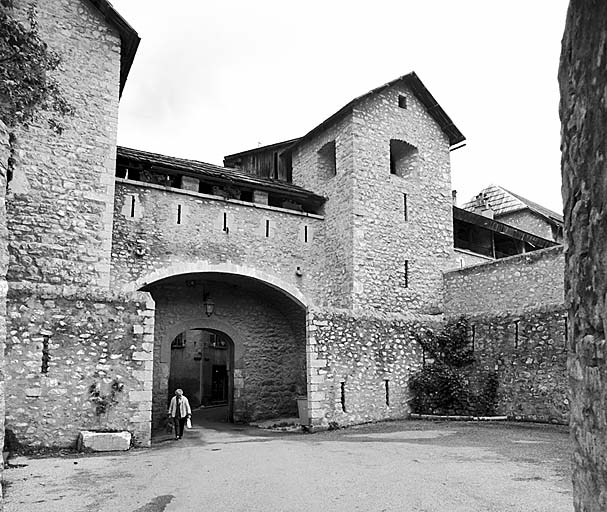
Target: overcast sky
214,78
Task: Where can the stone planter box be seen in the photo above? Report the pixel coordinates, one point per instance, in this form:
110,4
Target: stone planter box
91,441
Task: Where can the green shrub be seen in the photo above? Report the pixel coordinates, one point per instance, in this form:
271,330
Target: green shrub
450,382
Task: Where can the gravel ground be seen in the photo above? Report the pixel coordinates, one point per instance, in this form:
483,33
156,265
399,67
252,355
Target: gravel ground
394,466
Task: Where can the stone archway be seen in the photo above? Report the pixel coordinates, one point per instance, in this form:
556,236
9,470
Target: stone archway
204,267
266,324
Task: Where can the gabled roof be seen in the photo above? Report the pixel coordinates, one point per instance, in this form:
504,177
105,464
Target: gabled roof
129,38
217,174
420,91
503,201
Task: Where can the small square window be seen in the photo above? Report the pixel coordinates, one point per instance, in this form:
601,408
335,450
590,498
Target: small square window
402,101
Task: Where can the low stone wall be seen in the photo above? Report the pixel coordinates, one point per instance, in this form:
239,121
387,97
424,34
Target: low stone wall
64,354
518,283
529,353
359,366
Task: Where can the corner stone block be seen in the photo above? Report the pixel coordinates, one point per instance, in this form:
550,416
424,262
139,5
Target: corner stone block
103,441
142,356
140,396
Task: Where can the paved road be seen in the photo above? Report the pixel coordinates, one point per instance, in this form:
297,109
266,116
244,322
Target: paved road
396,466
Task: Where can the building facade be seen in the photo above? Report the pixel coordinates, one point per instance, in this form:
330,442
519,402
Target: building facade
304,268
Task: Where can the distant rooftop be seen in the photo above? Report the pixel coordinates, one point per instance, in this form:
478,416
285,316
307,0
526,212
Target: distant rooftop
503,201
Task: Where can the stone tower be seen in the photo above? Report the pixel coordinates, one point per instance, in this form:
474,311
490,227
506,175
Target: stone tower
383,163
67,329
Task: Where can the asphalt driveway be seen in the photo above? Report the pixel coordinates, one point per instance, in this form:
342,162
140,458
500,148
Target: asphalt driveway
395,466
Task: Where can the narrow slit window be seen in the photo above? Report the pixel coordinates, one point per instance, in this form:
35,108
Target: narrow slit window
387,384
516,334
406,284
132,206
46,357
178,214
225,222
473,337
343,396
267,228
405,208
306,234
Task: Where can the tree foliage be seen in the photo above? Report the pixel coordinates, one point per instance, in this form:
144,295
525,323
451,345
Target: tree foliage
27,84
450,382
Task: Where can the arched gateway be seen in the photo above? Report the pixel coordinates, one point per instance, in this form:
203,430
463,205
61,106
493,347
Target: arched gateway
227,338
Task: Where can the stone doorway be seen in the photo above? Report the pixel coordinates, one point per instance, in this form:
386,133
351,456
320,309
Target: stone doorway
202,365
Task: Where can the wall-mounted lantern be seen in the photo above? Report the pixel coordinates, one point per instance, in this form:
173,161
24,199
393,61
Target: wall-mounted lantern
208,305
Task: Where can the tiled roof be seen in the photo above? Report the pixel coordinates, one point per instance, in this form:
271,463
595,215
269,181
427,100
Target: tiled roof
503,201
216,173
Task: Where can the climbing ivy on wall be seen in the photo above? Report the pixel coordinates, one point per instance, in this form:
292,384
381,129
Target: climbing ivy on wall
26,66
450,382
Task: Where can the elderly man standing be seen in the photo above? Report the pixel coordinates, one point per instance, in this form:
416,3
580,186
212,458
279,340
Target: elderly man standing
179,411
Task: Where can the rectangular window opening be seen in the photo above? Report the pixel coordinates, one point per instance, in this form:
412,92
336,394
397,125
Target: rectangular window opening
343,397
404,158
402,101
327,159
132,206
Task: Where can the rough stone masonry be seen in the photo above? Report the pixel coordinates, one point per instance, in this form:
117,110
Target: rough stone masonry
583,110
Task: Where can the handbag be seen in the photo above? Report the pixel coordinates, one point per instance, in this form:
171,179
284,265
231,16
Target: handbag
188,423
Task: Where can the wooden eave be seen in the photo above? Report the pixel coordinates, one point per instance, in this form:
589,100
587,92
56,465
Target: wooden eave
215,174
269,147
500,227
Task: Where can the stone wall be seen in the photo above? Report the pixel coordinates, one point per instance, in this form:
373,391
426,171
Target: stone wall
398,258
148,238
4,165
463,258
267,331
359,366
60,199
508,285
336,240
529,353
582,79
58,346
